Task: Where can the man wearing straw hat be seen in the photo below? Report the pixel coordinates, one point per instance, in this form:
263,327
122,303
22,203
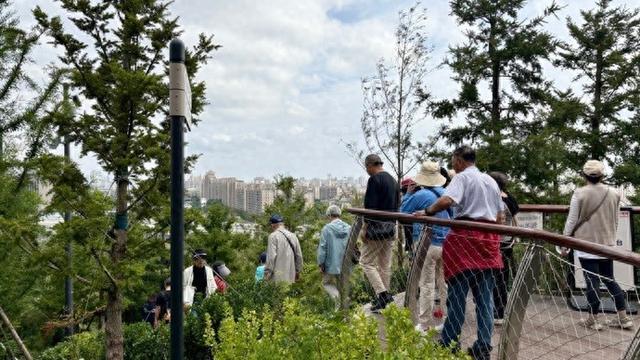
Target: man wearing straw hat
431,181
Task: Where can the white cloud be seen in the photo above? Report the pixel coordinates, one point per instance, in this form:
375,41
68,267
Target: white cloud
285,87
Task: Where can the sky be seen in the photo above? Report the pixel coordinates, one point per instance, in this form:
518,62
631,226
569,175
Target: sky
284,89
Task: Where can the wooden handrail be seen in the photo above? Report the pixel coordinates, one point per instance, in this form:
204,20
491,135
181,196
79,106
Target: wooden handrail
609,252
563,209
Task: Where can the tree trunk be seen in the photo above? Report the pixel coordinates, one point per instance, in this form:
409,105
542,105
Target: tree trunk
113,325
113,313
496,126
597,150
15,335
400,160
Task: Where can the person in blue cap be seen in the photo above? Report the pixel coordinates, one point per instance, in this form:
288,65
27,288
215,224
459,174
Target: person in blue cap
284,256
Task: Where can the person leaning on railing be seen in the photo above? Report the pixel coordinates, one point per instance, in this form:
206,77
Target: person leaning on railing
593,216
470,256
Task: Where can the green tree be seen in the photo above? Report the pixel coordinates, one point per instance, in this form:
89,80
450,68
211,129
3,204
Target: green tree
119,68
503,53
604,52
23,101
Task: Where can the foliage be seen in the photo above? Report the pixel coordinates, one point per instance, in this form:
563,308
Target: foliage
119,68
17,111
211,231
503,54
86,345
604,53
141,343
303,334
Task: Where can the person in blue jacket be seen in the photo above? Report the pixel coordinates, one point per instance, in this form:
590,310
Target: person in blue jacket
431,182
333,242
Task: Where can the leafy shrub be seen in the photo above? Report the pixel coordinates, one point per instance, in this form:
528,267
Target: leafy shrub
194,329
86,345
301,334
141,342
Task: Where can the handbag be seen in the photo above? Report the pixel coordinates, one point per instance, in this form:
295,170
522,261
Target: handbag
588,217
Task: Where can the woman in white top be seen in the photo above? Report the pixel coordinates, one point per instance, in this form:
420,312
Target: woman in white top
593,216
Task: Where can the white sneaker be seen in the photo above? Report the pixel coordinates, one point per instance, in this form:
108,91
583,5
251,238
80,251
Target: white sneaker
422,329
591,323
498,322
623,323
439,328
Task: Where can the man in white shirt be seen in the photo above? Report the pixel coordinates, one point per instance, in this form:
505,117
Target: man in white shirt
470,256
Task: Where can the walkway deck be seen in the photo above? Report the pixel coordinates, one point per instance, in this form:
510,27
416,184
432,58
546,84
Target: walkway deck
551,331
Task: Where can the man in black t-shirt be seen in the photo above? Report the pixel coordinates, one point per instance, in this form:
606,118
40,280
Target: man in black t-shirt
377,236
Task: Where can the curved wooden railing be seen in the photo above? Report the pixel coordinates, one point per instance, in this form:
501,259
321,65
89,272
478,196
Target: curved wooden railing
528,271
609,252
563,209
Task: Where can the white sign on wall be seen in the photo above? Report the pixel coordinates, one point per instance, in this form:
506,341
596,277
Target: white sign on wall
530,220
623,273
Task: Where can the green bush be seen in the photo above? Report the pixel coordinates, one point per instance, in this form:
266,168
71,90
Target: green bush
212,307
141,342
302,334
86,345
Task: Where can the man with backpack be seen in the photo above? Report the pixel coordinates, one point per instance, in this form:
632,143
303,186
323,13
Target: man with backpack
383,193
284,256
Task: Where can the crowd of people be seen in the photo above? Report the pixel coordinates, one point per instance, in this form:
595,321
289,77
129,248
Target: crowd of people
457,261
462,260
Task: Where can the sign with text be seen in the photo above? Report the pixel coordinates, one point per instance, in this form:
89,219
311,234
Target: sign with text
530,220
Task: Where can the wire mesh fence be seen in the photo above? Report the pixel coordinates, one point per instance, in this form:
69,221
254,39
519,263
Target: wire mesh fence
508,296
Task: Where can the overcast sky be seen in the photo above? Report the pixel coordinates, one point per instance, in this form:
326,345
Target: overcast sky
285,87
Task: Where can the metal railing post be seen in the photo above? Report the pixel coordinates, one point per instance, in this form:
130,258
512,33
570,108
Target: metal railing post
413,281
344,282
633,351
526,277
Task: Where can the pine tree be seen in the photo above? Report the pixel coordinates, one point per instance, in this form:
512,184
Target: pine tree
502,54
121,74
17,111
604,52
